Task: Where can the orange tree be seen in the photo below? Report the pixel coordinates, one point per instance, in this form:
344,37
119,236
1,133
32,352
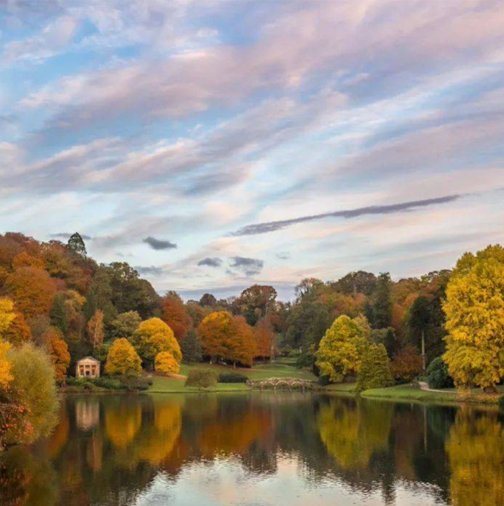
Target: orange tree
175,314
264,338
58,351
165,363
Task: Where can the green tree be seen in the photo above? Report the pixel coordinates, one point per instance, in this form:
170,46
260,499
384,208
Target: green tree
382,307
76,244
375,369
254,302
125,324
474,310
191,348
341,349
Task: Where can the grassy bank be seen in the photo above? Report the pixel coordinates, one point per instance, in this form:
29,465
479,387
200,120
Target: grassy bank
258,372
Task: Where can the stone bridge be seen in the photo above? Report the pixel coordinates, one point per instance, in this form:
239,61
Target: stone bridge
283,383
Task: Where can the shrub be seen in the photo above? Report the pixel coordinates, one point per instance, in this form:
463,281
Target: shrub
232,377
406,364
108,383
165,363
375,369
437,374
133,384
306,360
201,378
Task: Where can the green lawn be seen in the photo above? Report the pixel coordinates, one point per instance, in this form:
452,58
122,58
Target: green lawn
258,372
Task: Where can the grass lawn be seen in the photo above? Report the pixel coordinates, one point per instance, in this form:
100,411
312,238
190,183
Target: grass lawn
258,372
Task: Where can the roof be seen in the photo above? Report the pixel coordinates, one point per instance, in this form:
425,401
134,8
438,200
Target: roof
88,358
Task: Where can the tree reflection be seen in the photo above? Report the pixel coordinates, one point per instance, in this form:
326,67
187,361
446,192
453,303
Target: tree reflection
475,448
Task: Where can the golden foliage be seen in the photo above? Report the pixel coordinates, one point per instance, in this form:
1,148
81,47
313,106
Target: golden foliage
474,310
123,423
122,359
18,332
165,363
341,349
5,365
95,329
7,315
26,260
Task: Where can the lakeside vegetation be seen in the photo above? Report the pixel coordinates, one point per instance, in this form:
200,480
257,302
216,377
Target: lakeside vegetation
57,305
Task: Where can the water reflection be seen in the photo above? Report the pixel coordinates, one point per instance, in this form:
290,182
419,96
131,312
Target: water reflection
258,449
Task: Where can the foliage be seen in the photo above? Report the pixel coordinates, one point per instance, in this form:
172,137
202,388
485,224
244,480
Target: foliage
382,307
406,364
264,338
438,375
254,302
18,332
375,369
474,310
33,388
125,324
388,338
208,299
191,348
306,360
201,378
175,314
58,351
95,329
76,244
341,349
165,363
122,359
501,403
357,282
7,315
232,377
225,337
154,336
5,365
32,289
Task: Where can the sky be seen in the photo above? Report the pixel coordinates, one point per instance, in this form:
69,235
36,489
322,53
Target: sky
215,144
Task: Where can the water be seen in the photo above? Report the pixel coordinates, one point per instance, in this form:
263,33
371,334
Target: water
260,449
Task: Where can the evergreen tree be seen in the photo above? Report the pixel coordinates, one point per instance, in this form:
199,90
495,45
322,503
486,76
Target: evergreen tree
382,307
77,245
191,348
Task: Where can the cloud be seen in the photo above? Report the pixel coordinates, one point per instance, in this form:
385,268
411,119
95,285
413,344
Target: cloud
249,266
210,262
151,271
273,226
159,244
67,235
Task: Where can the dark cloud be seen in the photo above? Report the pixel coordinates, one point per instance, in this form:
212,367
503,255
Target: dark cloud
159,244
149,271
273,226
248,266
210,262
66,235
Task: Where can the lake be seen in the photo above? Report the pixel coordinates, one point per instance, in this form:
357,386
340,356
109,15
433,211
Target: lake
259,449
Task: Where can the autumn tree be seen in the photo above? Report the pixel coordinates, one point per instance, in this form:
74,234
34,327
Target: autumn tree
375,369
125,324
406,364
7,315
154,336
341,349
18,332
95,329
474,310
122,359
26,260
175,314
32,289
264,338
242,347
5,365
58,351
165,363
254,302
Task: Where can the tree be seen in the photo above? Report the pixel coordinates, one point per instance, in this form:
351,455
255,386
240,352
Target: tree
375,369
165,363
382,307
125,324
95,329
254,302
7,315
357,282
406,364
67,315
153,336
191,348
5,365
474,310
438,375
26,260
76,244
264,338
175,315
122,359
208,299
32,289
242,347
58,351
341,349
18,332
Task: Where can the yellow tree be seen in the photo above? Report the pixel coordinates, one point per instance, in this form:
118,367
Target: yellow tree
341,349
154,336
7,315
122,359
5,365
18,332
165,363
474,310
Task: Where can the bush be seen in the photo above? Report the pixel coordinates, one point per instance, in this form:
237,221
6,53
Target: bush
232,377
201,378
437,374
108,383
132,384
306,360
